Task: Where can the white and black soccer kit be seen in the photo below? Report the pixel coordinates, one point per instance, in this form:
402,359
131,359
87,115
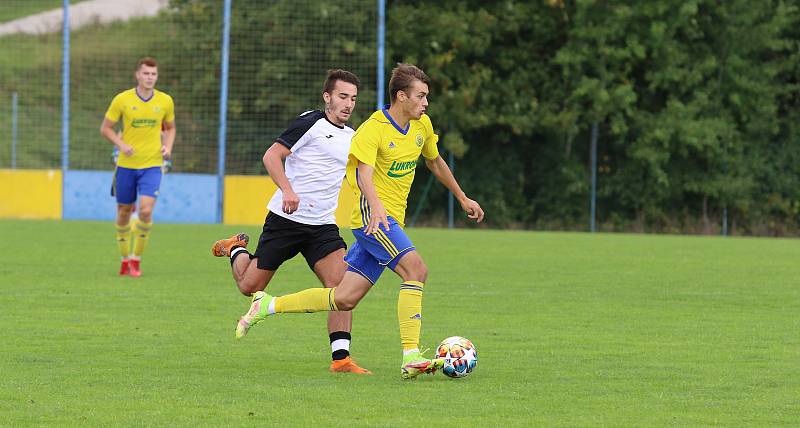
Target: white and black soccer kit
315,169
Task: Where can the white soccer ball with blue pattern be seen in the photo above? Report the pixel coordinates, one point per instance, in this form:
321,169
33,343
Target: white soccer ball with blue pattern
459,355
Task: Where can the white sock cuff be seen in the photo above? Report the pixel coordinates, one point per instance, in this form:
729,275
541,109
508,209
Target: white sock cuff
271,307
340,344
237,250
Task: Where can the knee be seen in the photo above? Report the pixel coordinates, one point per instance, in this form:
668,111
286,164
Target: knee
346,303
124,211
145,214
419,272
423,273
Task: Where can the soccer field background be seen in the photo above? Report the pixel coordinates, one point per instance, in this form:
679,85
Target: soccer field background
571,330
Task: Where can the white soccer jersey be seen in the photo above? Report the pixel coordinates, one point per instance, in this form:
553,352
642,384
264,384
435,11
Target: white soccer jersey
315,168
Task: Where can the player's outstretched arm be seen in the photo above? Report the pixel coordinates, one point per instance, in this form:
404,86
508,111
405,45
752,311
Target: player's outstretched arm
273,162
377,212
442,172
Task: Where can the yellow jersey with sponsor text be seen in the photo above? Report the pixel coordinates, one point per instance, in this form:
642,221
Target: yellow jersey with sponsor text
141,126
393,152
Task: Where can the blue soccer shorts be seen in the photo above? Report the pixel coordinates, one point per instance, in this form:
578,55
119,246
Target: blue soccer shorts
371,254
130,182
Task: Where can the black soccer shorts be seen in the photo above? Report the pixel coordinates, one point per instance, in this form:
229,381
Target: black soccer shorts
281,239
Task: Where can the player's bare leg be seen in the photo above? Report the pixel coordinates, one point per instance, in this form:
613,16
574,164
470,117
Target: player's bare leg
146,205
351,290
249,278
330,271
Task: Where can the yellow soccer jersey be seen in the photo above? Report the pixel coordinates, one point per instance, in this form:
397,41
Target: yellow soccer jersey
380,143
141,126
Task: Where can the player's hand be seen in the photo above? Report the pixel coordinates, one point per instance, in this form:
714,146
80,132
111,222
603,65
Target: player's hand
165,152
473,209
124,148
290,201
377,217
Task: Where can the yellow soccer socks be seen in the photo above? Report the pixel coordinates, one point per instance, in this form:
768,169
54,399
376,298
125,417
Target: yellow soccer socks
124,240
310,300
141,235
409,313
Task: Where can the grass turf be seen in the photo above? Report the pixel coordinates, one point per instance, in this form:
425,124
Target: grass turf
571,330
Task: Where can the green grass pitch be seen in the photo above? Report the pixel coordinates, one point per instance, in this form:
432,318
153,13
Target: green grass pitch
571,330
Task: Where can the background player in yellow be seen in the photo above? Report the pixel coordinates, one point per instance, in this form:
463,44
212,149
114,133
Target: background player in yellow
144,112
383,158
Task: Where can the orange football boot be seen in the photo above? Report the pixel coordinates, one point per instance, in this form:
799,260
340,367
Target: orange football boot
222,248
347,365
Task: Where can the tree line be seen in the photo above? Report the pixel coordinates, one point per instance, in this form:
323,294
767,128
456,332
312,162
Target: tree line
696,104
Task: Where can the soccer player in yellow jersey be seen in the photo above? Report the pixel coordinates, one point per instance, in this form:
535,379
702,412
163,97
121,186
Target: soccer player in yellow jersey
144,112
383,157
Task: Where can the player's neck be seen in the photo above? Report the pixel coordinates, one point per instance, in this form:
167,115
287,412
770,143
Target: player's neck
144,93
332,118
400,118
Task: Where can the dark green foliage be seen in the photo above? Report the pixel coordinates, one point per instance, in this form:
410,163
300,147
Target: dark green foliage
696,101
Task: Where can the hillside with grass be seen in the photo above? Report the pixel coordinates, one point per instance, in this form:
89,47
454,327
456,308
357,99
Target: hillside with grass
11,10
102,63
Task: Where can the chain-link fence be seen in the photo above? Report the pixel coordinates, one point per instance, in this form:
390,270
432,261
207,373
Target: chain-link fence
279,53
279,57
30,87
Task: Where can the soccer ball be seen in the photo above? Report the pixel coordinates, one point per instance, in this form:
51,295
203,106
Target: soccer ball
459,355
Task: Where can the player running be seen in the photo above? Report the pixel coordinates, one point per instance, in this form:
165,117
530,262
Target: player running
380,169
144,111
301,217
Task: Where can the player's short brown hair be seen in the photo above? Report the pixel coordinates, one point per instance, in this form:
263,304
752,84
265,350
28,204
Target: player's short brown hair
148,61
403,76
339,74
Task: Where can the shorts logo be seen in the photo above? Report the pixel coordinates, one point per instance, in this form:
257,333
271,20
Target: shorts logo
419,140
416,317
